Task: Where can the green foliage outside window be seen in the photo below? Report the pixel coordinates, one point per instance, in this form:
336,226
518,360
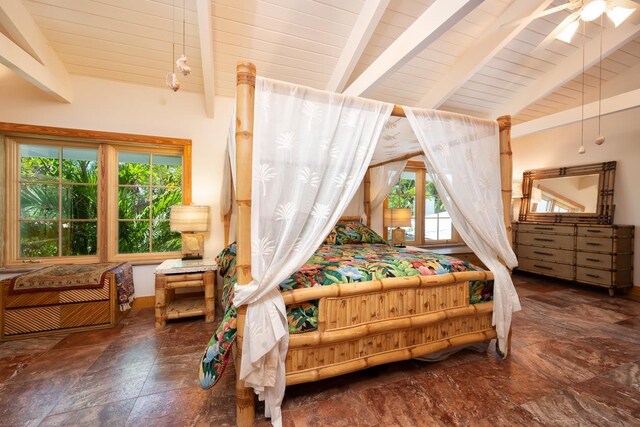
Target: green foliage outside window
58,202
149,184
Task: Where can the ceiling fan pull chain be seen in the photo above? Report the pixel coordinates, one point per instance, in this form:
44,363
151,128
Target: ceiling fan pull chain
582,150
600,137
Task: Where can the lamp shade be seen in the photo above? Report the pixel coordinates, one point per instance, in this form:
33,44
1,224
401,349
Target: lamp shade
400,217
185,218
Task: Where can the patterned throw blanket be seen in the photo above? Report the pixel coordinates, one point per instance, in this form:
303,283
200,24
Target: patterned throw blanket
124,282
329,265
77,276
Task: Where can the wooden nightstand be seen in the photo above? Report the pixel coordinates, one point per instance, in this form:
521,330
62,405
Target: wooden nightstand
176,273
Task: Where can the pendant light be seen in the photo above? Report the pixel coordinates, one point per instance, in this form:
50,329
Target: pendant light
181,63
172,79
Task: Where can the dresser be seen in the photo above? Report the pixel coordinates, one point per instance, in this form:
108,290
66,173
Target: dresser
600,255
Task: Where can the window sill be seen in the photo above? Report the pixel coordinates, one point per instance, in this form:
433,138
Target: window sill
442,245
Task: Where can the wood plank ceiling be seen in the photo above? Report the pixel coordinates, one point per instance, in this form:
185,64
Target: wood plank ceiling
301,40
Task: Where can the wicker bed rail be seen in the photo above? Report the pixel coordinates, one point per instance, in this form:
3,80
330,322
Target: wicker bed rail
298,296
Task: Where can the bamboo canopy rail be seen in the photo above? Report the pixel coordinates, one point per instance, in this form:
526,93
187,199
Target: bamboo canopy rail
369,323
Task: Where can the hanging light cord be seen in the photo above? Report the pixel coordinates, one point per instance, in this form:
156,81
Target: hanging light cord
600,81
183,27
173,36
583,63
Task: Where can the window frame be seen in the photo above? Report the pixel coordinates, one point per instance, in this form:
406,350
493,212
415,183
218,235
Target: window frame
108,144
419,169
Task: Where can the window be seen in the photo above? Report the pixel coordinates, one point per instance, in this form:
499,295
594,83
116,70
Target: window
437,222
72,200
148,185
436,226
58,189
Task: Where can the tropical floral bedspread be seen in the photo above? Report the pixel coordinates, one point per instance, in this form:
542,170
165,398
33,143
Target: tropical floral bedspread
329,264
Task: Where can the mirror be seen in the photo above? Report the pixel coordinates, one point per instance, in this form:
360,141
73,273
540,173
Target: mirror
576,194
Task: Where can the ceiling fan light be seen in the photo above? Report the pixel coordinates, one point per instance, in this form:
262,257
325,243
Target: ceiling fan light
593,10
619,14
567,34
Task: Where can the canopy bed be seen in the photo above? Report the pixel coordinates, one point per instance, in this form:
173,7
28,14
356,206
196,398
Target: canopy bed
312,150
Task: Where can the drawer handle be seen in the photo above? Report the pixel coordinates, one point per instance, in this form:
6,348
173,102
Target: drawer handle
595,276
544,267
593,244
543,228
593,259
543,253
594,231
542,240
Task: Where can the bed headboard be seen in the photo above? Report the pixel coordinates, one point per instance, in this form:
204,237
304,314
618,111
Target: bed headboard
349,219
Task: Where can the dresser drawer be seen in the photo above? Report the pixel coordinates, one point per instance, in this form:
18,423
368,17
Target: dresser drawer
563,271
612,245
547,240
606,231
547,228
587,259
595,231
592,275
546,254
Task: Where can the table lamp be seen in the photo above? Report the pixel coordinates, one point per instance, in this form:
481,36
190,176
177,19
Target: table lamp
192,221
399,217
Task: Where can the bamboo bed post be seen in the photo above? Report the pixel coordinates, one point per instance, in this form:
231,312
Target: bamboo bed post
506,169
506,175
245,93
227,216
367,196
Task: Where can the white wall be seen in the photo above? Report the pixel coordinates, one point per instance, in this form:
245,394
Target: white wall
559,147
120,107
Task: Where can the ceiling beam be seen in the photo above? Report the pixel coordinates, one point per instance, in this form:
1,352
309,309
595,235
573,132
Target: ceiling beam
568,69
37,62
436,20
205,30
364,27
483,50
614,104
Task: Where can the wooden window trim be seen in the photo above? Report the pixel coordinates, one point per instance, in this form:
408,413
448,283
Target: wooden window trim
421,172
108,143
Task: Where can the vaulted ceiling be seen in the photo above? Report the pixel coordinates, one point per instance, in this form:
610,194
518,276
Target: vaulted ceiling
449,54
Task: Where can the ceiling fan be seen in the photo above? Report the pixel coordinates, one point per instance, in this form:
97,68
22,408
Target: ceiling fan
586,10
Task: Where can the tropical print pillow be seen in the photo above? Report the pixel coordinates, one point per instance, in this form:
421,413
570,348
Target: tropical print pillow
352,233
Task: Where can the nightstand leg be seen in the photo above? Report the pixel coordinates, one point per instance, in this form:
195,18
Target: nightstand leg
209,296
161,308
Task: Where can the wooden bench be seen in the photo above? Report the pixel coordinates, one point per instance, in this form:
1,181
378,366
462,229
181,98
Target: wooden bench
43,313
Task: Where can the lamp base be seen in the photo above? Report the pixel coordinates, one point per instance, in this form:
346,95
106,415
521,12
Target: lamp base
191,257
192,245
397,237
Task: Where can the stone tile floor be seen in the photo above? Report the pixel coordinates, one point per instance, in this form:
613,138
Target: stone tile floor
575,361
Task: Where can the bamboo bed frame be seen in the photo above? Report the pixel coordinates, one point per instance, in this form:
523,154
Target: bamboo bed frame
369,323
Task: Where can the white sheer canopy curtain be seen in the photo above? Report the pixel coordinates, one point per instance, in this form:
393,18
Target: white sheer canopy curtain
462,155
383,178
311,150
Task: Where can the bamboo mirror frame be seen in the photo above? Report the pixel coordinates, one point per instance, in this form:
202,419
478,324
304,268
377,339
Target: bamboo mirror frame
604,207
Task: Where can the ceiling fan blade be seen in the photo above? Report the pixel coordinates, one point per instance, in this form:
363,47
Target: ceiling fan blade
537,15
552,36
634,19
629,4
